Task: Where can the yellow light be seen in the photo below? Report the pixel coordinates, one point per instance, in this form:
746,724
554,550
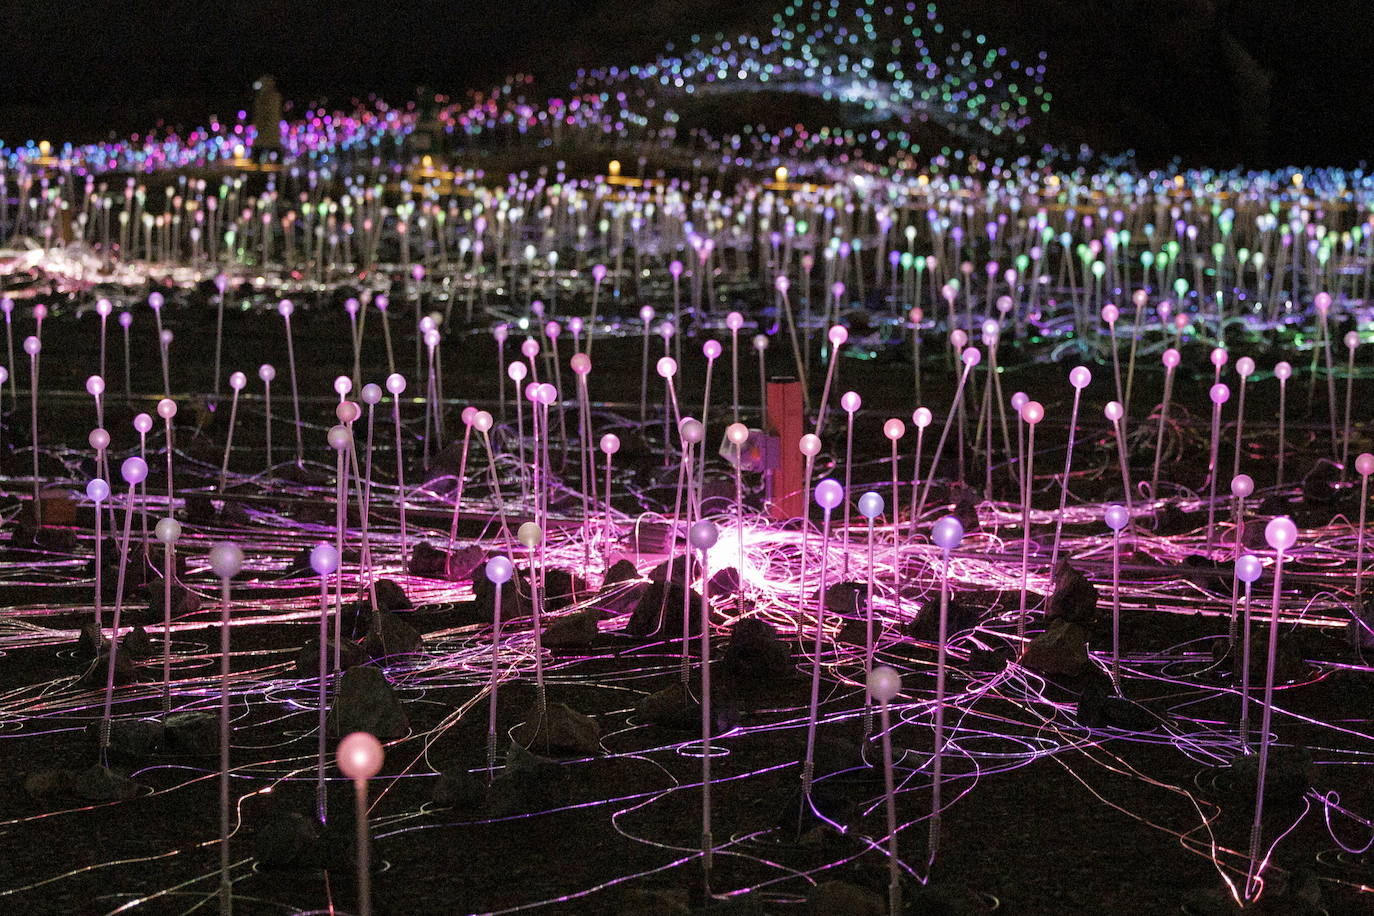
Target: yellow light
781,174
239,151
45,147
613,169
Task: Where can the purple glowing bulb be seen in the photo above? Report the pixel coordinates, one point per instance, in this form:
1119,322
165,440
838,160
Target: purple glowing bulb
324,559
1281,533
829,494
1116,517
499,570
1248,568
947,532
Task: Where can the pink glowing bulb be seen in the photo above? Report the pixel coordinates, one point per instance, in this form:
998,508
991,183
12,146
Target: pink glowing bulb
809,445
134,470
1322,302
1351,340
691,430
1116,517
1170,358
360,756
95,386
1249,568
828,494
581,363
482,421
598,272
916,316
734,321
782,284
347,412
1242,485
665,330
339,438
381,302
226,559
1365,464
894,429
850,401
155,300
737,434
675,269
324,559
396,383
371,394
871,505
1018,401
1281,533
1219,357
97,490
922,417
1110,313
971,357
517,372
575,325
126,319
1139,298
238,381
166,408
958,338
1004,303
32,345
98,439
499,570
1033,412
529,535
529,348
1080,377
532,392
711,349
547,394
103,308
501,332
552,329
666,367
342,385
266,372
351,307
1219,393
610,444
469,412
1283,371
1245,367
947,532
703,535
884,684
760,342
285,308
167,530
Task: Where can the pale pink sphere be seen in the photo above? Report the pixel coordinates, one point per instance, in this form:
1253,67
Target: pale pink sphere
667,367
347,411
1110,313
529,348
711,349
610,444
1281,533
1033,412
809,445
1323,302
339,438
851,401
1365,464
884,684
342,385
1018,400
782,284
958,339
1219,393
238,381
166,408
1245,367
1283,371
1139,298
971,356
1242,485
547,394
838,334
894,429
581,363
1219,357
734,321
1114,411
517,372
266,372
737,433
99,439
396,383
95,386
1080,377
1170,358
482,421
360,756
469,412
1351,339
922,417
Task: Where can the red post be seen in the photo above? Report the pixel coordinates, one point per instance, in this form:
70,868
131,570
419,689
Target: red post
785,422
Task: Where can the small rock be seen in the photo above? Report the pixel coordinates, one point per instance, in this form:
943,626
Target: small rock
390,637
308,658
366,703
1099,709
529,782
1061,649
577,630
1288,776
672,707
840,898
1074,598
755,652
561,730
137,643
130,737
458,789
925,626
391,597
96,783
286,841
190,734
659,611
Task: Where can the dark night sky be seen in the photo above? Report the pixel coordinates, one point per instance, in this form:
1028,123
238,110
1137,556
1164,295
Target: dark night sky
1216,81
